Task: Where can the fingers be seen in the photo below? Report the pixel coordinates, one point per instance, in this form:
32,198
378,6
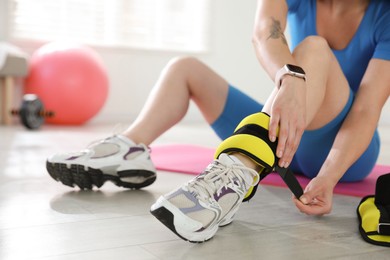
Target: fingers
314,207
273,127
290,133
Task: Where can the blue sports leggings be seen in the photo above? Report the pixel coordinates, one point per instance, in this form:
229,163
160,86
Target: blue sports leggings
315,144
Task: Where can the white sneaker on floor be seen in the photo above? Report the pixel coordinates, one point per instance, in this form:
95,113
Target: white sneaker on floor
196,210
115,159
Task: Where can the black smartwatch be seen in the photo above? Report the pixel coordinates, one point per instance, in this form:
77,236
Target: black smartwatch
291,70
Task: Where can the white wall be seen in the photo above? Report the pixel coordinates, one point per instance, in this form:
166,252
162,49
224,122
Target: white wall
3,19
133,72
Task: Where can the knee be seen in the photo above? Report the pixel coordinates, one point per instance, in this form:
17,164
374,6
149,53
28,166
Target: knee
313,43
183,62
314,47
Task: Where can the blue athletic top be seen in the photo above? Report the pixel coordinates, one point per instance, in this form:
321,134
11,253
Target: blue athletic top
371,40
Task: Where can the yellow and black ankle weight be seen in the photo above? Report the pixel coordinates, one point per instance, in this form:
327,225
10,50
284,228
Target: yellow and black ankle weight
374,214
250,138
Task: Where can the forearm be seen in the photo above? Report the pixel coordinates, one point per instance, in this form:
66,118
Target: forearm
359,126
268,37
351,141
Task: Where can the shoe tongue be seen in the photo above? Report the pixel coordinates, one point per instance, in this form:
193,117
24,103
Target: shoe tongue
125,140
229,159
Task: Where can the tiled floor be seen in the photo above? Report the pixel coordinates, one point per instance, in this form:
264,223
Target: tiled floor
41,219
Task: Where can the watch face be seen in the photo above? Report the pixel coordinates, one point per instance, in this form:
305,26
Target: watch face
296,69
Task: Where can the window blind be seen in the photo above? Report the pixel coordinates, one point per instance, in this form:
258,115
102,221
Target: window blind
152,24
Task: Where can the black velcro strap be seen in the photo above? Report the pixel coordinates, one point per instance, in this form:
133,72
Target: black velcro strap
382,202
384,221
290,180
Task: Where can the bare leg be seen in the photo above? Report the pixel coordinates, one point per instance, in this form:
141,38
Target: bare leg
182,80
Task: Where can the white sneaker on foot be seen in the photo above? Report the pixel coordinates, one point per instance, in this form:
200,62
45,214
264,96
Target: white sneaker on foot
196,210
115,159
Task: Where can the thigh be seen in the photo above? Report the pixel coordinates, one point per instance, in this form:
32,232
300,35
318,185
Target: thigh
238,105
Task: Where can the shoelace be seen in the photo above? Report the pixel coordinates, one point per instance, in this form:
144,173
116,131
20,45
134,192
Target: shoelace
217,176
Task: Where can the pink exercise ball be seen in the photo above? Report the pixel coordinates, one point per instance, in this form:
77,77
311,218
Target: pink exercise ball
71,81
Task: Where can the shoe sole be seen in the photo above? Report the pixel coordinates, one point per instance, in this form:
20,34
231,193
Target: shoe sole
86,179
167,218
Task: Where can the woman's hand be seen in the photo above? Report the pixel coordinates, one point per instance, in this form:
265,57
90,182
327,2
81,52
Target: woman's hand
288,112
317,198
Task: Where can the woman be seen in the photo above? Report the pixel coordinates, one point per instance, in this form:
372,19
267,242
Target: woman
328,95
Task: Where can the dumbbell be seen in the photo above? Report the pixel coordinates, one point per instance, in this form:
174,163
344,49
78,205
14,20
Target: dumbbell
32,112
